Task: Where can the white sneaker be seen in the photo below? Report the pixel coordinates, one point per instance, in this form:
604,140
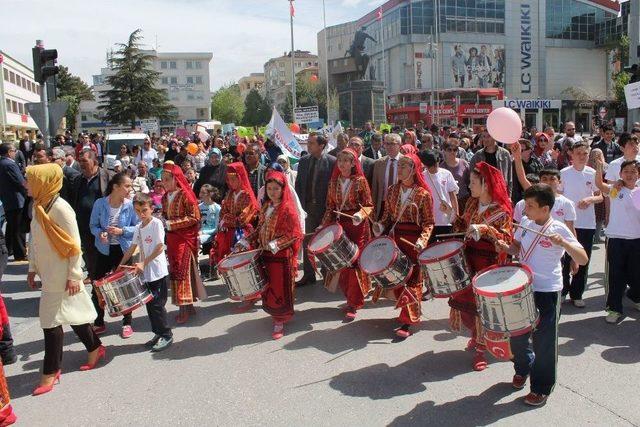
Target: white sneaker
612,316
579,303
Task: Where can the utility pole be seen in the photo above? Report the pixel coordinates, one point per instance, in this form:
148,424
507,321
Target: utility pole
326,55
293,64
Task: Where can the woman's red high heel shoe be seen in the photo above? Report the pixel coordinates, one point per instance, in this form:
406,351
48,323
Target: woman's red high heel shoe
47,388
102,351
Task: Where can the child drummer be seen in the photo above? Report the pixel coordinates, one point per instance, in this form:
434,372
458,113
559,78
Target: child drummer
540,244
149,237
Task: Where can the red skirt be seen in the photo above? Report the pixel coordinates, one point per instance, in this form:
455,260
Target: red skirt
354,283
409,298
279,295
223,243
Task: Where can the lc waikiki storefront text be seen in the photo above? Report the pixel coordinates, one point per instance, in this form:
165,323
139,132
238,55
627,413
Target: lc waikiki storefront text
539,113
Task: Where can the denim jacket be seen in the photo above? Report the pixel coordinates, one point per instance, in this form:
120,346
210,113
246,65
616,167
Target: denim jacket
100,222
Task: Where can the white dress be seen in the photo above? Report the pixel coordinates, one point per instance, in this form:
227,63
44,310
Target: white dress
57,307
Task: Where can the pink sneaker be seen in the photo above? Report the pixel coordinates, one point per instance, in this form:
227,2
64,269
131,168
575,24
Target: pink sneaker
278,330
127,332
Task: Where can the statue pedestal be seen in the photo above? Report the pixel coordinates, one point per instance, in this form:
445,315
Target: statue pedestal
361,101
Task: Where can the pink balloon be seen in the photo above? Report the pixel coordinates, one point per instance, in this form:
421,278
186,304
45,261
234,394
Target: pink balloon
635,198
504,125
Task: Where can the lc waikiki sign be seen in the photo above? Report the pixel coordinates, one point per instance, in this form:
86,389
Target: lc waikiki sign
526,48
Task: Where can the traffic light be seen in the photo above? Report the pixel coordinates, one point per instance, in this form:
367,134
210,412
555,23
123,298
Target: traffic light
44,63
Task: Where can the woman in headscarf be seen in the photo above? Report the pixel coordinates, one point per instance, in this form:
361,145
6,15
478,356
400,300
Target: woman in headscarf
237,214
487,218
213,173
182,221
280,235
55,256
408,215
349,193
408,149
283,160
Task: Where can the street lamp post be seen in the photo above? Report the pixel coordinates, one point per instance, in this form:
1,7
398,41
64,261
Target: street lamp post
293,64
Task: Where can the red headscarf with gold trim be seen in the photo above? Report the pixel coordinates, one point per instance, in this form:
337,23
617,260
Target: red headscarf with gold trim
356,165
181,181
418,177
239,170
496,185
288,220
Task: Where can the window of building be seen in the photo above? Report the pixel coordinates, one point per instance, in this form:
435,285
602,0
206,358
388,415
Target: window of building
8,105
165,80
83,117
12,77
163,65
281,73
201,112
190,80
173,80
198,80
14,106
189,65
572,20
6,74
190,97
173,65
38,89
198,65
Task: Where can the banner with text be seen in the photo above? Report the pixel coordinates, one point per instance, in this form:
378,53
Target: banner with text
306,115
282,136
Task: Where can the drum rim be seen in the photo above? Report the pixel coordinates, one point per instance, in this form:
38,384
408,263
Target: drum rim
242,264
443,257
322,249
110,277
526,269
395,255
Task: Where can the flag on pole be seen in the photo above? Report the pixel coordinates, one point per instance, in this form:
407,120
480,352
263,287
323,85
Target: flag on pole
282,136
379,14
292,9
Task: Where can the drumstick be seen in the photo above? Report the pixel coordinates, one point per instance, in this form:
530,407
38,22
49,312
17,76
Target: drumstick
451,235
408,242
344,214
515,224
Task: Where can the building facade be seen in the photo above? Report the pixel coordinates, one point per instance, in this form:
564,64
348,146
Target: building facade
251,82
277,74
184,75
529,49
17,88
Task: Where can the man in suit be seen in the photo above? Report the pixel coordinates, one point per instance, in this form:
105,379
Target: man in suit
376,150
385,172
312,184
341,143
357,145
13,195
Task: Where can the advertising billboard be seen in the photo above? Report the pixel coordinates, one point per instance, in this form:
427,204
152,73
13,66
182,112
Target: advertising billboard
474,65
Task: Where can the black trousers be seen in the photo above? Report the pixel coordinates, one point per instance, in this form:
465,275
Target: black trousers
16,239
155,308
89,253
54,340
574,286
104,265
624,270
314,217
439,229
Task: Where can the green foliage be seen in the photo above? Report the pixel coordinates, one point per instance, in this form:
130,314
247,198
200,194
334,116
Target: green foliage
257,110
133,94
227,105
620,80
73,90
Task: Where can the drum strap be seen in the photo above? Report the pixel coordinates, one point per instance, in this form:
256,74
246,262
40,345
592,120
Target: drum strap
527,254
404,207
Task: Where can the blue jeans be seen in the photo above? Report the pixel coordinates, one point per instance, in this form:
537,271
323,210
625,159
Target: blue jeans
539,357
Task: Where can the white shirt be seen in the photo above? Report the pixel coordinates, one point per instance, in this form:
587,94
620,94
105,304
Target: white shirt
624,218
544,259
390,182
576,186
147,156
613,172
147,238
441,184
404,195
563,210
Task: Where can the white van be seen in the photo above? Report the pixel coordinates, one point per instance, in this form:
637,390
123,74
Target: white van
210,127
114,141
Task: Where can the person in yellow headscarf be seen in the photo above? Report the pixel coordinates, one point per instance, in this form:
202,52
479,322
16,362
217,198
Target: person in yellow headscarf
55,257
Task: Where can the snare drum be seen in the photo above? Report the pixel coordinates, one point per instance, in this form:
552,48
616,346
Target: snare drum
333,249
505,299
243,274
444,268
123,292
383,261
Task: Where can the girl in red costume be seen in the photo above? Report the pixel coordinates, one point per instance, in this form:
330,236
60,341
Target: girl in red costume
182,221
408,214
279,234
349,193
237,213
487,219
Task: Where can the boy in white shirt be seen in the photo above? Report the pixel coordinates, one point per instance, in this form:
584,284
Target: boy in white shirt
623,243
149,237
629,145
444,190
542,254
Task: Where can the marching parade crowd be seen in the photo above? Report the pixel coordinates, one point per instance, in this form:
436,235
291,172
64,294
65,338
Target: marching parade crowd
405,214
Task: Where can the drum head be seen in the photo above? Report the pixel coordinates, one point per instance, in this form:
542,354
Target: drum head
378,255
236,260
325,237
441,250
503,280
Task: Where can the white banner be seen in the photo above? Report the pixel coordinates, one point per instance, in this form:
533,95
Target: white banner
632,95
282,136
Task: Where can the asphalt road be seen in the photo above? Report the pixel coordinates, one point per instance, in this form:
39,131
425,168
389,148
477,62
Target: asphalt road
224,369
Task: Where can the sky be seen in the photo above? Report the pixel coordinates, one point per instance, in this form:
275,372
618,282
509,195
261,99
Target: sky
241,34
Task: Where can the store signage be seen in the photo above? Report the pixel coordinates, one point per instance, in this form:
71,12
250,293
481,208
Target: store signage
475,110
528,104
525,47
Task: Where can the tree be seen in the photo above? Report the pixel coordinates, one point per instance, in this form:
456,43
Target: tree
309,92
73,90
621,78
133,94
257,110
227,105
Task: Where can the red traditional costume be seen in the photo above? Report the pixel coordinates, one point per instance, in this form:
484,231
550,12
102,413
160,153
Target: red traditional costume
182,218
7,417
351,196
280,234
492,223
412,220
238,210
